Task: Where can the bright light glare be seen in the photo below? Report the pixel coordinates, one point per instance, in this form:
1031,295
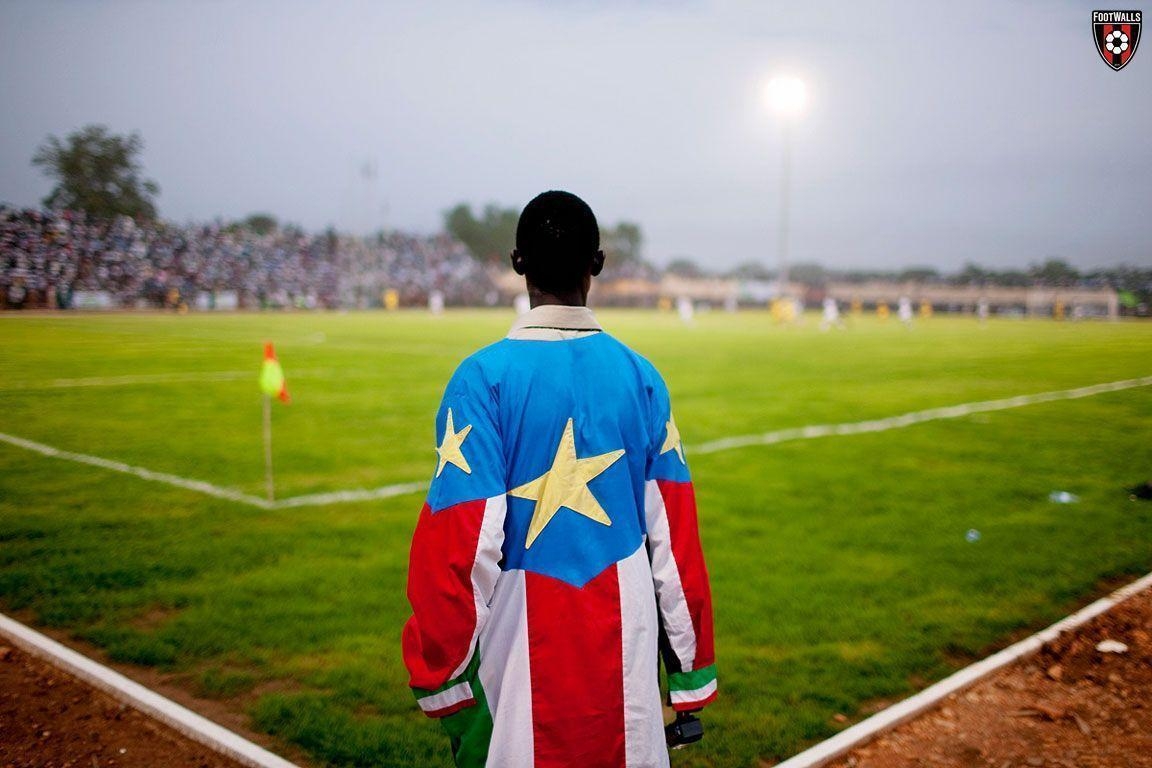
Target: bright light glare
787,95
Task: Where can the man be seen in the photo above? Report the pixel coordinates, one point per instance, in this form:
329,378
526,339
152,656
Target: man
558,547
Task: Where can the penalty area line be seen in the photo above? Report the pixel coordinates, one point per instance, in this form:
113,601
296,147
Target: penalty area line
915,417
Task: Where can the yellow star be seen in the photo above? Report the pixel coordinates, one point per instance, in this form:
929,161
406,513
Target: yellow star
449,450
565,485
672,442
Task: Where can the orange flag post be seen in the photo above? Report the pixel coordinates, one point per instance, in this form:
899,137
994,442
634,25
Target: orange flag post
272,384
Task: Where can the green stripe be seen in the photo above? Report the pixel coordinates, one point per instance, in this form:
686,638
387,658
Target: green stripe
470,731
690,681
469,674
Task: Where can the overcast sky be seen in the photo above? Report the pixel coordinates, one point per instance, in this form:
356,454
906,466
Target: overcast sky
937,133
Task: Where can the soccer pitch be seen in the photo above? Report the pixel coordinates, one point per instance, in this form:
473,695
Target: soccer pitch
843,577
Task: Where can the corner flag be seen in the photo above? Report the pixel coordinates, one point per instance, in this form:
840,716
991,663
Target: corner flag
272,384
272,381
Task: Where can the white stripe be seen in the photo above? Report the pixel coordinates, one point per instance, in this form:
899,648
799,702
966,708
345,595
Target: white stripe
137,696
689,697
865,731
454,695
644,745
915,417
506,674
666,578
486,566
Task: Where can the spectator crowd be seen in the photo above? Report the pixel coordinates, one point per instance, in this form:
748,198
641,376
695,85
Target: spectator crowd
48,258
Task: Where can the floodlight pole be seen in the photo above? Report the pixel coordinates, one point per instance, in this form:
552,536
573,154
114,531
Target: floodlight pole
785,205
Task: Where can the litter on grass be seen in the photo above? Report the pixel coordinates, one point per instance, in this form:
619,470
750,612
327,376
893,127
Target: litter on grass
1111,646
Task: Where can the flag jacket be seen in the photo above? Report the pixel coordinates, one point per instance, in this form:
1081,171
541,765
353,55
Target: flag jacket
556,555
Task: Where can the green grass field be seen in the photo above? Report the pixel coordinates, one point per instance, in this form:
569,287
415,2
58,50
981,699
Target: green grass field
842,576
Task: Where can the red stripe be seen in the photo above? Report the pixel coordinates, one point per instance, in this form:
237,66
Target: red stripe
576,656
688,706
438,637
451,709
680,503
1126,29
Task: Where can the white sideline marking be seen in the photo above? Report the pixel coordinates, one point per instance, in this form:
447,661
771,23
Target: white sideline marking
138,697
724,444
866,730
153,378
209,489
147,474
915,417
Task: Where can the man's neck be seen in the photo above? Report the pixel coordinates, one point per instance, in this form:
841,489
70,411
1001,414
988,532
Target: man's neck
538,298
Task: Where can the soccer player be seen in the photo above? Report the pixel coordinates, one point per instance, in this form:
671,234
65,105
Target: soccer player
557,554
831,317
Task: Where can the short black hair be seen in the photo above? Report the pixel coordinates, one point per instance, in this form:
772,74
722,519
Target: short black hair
558,238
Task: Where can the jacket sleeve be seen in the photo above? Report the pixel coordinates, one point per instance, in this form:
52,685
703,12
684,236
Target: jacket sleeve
456,548
683,594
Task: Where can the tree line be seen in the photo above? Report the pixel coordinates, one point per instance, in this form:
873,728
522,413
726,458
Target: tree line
100,172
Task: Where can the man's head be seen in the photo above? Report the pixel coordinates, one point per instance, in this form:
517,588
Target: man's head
558,246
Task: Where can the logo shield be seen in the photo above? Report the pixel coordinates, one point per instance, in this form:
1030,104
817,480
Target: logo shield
1117,33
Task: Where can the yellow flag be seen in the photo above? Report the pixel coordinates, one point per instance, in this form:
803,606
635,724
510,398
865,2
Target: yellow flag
272,375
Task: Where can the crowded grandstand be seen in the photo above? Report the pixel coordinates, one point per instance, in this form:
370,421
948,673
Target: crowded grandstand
61,260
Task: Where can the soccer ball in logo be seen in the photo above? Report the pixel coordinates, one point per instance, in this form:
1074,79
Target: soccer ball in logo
1116,42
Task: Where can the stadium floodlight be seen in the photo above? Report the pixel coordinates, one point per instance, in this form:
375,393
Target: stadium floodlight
787,97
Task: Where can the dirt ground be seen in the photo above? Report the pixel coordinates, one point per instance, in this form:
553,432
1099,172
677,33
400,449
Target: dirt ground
49,719
1071,706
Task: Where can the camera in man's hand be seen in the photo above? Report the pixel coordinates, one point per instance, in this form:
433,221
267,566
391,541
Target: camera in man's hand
685,729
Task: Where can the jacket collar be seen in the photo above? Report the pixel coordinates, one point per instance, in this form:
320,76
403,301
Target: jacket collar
557,317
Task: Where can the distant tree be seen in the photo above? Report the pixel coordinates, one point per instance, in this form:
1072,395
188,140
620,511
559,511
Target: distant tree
858,276
751,270
684,267
971,274
490,237
1055,272
622,244
97,172
1134,285
807,273
1012,278
261,223
919,275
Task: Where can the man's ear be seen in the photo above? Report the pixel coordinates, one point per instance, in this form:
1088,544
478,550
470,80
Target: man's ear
517,262
597,263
